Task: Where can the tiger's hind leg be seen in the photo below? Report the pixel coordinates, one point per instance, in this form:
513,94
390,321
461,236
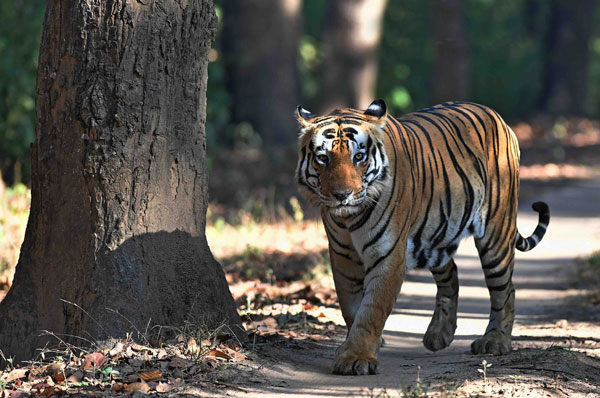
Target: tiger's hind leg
497,257
440,332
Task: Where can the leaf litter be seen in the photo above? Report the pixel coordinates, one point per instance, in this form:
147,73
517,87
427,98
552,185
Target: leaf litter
125,366
274,312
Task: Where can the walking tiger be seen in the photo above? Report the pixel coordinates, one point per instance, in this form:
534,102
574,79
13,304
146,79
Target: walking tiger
396,194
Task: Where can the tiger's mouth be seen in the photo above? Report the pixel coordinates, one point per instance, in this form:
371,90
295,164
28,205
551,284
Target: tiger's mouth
351,204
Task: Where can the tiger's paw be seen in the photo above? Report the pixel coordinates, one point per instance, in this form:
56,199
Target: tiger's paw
439,335
353,365
494,343
440,331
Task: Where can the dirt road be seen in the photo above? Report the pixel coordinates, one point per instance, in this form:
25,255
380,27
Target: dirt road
556,336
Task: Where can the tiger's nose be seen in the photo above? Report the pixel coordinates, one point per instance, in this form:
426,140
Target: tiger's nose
341,195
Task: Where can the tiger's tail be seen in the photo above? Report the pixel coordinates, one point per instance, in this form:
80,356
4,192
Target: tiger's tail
525,244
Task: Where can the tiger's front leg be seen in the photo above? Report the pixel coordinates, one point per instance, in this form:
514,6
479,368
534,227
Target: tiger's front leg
348,275
383,278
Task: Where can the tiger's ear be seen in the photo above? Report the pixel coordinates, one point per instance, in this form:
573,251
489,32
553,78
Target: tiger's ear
304,117
376,113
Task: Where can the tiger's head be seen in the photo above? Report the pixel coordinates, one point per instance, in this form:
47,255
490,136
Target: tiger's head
342,162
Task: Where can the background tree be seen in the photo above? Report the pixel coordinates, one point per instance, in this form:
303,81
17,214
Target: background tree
260,47
567,45
350,49
118,176
451,72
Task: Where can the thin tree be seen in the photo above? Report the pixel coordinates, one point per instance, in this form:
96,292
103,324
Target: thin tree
350,43
451,71
567,57
260,49
115,236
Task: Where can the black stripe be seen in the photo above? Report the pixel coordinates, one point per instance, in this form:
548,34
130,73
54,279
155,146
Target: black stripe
496,262
498,288
380,259
346,256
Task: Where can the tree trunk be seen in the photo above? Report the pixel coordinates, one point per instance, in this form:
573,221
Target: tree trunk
350,43
260,46
568,52
118,177
451,73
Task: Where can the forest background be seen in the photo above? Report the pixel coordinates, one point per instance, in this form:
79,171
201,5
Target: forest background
536,62
528,59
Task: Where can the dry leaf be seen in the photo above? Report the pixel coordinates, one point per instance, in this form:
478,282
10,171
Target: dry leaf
94,360
150,375
236,356
179,362
40,386
35,373
117,387
55,368
14,375
59,378
213,354
192,347
175,382
162,354
138,347
75,377
117,349
163,387
138,386
48,391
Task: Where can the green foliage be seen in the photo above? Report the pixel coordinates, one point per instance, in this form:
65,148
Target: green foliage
506,66
506,53
406,56
20,32
310,53
218,99
594,260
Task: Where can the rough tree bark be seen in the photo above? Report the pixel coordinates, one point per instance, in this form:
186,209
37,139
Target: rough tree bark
567,48
451,72
260,45
119,180
350,43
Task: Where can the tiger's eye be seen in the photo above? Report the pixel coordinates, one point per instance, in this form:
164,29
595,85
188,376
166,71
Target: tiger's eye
359,157
322,158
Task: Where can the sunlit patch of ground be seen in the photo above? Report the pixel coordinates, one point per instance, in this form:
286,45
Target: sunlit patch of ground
280,276
14,210
288,237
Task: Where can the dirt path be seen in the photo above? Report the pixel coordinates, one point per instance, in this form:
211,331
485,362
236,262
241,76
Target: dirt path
556,335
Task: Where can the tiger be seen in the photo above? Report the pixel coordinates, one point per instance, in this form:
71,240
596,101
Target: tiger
401,193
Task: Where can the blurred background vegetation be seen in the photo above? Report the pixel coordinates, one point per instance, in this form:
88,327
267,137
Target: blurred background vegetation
537,62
